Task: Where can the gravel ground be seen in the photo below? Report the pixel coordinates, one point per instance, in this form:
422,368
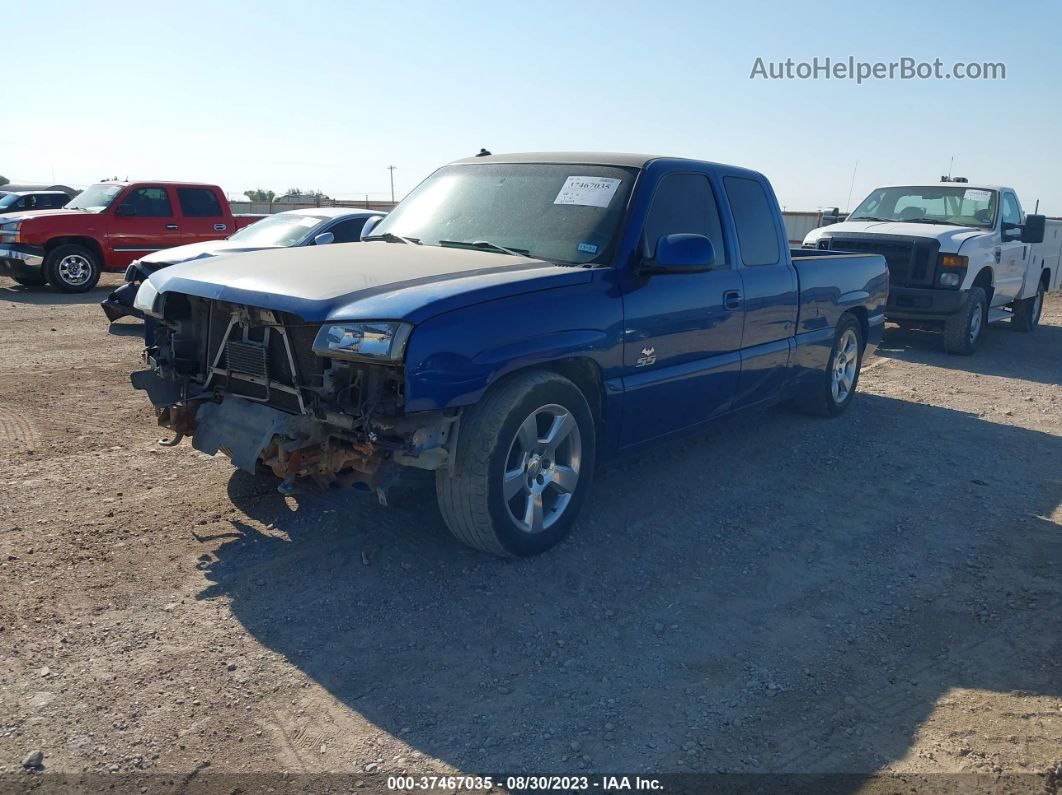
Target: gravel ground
879,592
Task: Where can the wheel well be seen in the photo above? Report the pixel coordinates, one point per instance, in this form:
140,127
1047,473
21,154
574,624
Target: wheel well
586,375
984,281
860,314
1045,278
581,371
88,242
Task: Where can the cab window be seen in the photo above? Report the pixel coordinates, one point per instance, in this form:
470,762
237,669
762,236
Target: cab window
348,231
149,202
199,203
1011,215
754,219
685,204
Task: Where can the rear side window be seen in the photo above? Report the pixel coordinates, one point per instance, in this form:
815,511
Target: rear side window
754,219
348,231
199,203
149,203
684,204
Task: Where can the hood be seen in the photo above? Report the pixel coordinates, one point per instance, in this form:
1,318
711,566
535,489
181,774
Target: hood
949,237
211,248
365,281
29,215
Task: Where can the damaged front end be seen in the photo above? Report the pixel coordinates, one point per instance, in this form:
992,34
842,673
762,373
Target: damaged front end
320,401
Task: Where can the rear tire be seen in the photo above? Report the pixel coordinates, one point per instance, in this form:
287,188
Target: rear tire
72,268
834,392
522,468
1027,312
963,331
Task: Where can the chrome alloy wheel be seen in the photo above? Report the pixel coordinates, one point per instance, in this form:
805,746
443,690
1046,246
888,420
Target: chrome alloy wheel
542,468
74,270
845,361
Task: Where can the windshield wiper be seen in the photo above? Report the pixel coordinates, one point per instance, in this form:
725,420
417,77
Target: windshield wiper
867,218
929,221
391,237
485,245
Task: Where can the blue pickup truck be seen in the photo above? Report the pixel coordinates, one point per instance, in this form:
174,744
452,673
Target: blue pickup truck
513,319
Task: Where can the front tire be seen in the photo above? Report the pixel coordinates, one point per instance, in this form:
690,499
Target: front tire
834,392
522,468
72,268
1027,312
963,330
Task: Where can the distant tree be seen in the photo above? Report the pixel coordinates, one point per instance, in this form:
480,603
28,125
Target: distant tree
308,194
260,195
4,180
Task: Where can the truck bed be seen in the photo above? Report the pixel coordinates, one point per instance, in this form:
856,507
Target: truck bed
1049,253
831,283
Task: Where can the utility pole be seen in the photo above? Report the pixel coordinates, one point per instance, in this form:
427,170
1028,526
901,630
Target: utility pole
851,187
392,170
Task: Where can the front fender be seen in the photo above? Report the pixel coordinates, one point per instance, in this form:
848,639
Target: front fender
452,359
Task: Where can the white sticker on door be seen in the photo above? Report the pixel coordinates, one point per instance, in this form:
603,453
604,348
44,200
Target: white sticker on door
587,191
975,195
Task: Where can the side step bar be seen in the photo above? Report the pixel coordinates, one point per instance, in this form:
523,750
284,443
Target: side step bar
995,315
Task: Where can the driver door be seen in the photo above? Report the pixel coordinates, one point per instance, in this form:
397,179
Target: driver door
1010,268
682,331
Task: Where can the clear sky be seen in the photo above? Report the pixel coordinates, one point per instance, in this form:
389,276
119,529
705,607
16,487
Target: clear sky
328,94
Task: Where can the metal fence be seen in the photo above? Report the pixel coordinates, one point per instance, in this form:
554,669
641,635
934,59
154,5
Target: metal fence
268,208
797,222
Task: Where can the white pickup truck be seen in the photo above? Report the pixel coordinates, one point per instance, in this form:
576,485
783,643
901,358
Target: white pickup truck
960,256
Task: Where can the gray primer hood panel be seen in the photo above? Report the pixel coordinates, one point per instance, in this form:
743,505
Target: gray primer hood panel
371,281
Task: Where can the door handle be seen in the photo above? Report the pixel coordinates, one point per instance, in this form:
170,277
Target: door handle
171,226
732,299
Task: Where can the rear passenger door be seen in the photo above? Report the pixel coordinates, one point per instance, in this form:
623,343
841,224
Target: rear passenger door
682,332
202,215
771,292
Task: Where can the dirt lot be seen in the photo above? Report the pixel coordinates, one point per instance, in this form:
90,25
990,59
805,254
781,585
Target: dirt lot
780,594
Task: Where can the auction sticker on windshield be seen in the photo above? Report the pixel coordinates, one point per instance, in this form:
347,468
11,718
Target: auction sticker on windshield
976,195
587,191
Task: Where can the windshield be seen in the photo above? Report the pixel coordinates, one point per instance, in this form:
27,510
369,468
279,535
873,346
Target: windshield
8,200
281,229
941,204
95,198
566,213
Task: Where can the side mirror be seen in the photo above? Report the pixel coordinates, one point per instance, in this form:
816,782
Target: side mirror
126,210
681,253
1033,229
323,239
370,224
